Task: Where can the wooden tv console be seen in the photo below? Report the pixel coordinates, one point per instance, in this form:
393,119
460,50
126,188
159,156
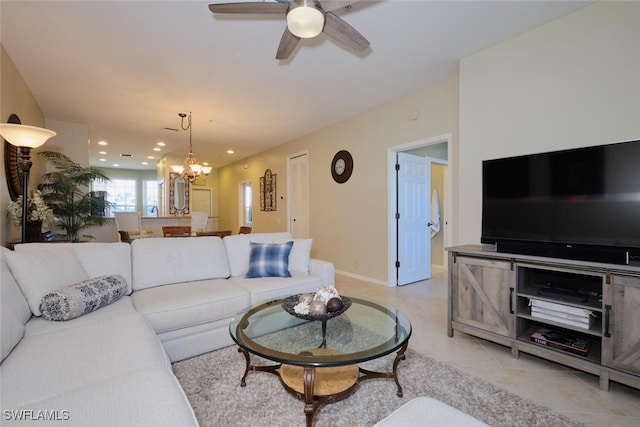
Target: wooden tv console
489,297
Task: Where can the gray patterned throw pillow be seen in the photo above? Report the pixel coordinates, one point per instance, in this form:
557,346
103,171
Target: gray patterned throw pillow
82,298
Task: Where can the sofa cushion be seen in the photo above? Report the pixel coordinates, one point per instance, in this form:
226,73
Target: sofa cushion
121,308
82,298
268,288
269,260
183,305
164,261
239,249
38,275
81,354
14,309
148,397
299,256
92,256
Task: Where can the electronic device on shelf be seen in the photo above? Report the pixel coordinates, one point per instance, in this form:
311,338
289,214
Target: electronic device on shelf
563,294
580,204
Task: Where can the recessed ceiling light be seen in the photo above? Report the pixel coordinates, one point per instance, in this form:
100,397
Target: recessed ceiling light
102,143
230,151
102,152
161,144
157,149
150,157
116,165
145,163
103,160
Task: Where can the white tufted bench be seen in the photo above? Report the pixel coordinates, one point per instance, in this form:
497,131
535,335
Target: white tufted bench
425,411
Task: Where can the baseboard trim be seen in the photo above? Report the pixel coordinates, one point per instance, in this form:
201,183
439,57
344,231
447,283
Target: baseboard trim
364,278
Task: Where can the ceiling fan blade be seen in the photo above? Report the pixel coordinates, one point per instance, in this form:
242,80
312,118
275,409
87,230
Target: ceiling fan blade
288,43
329,5
339,30
251,7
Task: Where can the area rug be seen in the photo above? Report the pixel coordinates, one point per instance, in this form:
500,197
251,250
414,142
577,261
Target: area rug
212,384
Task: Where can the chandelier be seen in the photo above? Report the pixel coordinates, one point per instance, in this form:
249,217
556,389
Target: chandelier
191,169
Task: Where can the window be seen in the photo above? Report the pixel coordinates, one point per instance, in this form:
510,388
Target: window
150,198
120,192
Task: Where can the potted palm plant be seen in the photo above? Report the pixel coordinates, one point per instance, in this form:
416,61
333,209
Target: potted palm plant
66,192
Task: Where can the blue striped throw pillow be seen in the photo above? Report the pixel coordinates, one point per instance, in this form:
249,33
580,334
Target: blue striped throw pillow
269,260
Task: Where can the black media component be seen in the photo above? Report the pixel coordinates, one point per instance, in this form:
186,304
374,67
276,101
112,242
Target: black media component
581,204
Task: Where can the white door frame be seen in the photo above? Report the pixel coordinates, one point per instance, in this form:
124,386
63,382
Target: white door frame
195,188
392,193
241,205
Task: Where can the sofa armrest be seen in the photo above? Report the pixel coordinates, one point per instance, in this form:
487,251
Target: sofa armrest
324,270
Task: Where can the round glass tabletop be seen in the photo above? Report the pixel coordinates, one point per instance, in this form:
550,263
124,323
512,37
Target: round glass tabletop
365,331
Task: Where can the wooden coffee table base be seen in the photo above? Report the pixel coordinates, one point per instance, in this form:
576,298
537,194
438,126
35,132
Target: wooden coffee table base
315,386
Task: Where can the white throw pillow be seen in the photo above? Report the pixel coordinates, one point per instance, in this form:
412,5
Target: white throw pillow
38,275
299,256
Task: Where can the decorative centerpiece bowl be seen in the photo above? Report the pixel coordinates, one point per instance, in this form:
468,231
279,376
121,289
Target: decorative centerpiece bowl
289,303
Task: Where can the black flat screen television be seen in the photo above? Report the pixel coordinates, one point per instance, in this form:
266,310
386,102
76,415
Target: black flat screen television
581,204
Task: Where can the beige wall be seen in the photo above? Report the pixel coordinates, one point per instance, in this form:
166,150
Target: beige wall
15,97
348,222
573,82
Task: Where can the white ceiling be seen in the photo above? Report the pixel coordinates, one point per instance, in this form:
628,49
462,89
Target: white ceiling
127,68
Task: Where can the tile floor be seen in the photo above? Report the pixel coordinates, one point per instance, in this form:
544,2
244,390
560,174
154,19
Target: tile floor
573,393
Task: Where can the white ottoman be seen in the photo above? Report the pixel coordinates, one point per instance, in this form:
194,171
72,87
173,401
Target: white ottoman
425,411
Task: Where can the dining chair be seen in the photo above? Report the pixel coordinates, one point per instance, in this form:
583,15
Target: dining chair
131,222
176,230
221,233
244,230
199,221
124,236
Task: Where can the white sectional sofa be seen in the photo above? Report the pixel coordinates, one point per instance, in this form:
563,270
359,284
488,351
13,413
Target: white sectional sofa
170,299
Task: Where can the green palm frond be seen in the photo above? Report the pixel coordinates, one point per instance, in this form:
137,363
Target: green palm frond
66,191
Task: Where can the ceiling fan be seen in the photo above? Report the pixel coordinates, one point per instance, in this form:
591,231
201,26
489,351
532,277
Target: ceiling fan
305,19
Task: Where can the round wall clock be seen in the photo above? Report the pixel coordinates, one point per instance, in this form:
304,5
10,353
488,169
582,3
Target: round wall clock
341,166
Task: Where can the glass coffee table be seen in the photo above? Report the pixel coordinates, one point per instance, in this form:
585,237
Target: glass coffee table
317,360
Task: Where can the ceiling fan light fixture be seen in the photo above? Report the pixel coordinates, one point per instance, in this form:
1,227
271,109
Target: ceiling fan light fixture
305,19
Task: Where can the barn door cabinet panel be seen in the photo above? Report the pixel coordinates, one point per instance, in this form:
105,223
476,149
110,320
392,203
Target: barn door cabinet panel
481,295
622,327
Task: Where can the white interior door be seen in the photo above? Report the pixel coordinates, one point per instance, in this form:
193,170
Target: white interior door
299,196
413,218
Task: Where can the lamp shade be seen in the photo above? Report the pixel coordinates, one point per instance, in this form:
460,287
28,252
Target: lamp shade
25,136
306,20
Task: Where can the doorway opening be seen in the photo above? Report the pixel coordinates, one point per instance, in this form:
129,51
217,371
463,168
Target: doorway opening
437,152
246,204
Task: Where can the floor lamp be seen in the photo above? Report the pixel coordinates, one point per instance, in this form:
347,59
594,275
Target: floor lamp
25,138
